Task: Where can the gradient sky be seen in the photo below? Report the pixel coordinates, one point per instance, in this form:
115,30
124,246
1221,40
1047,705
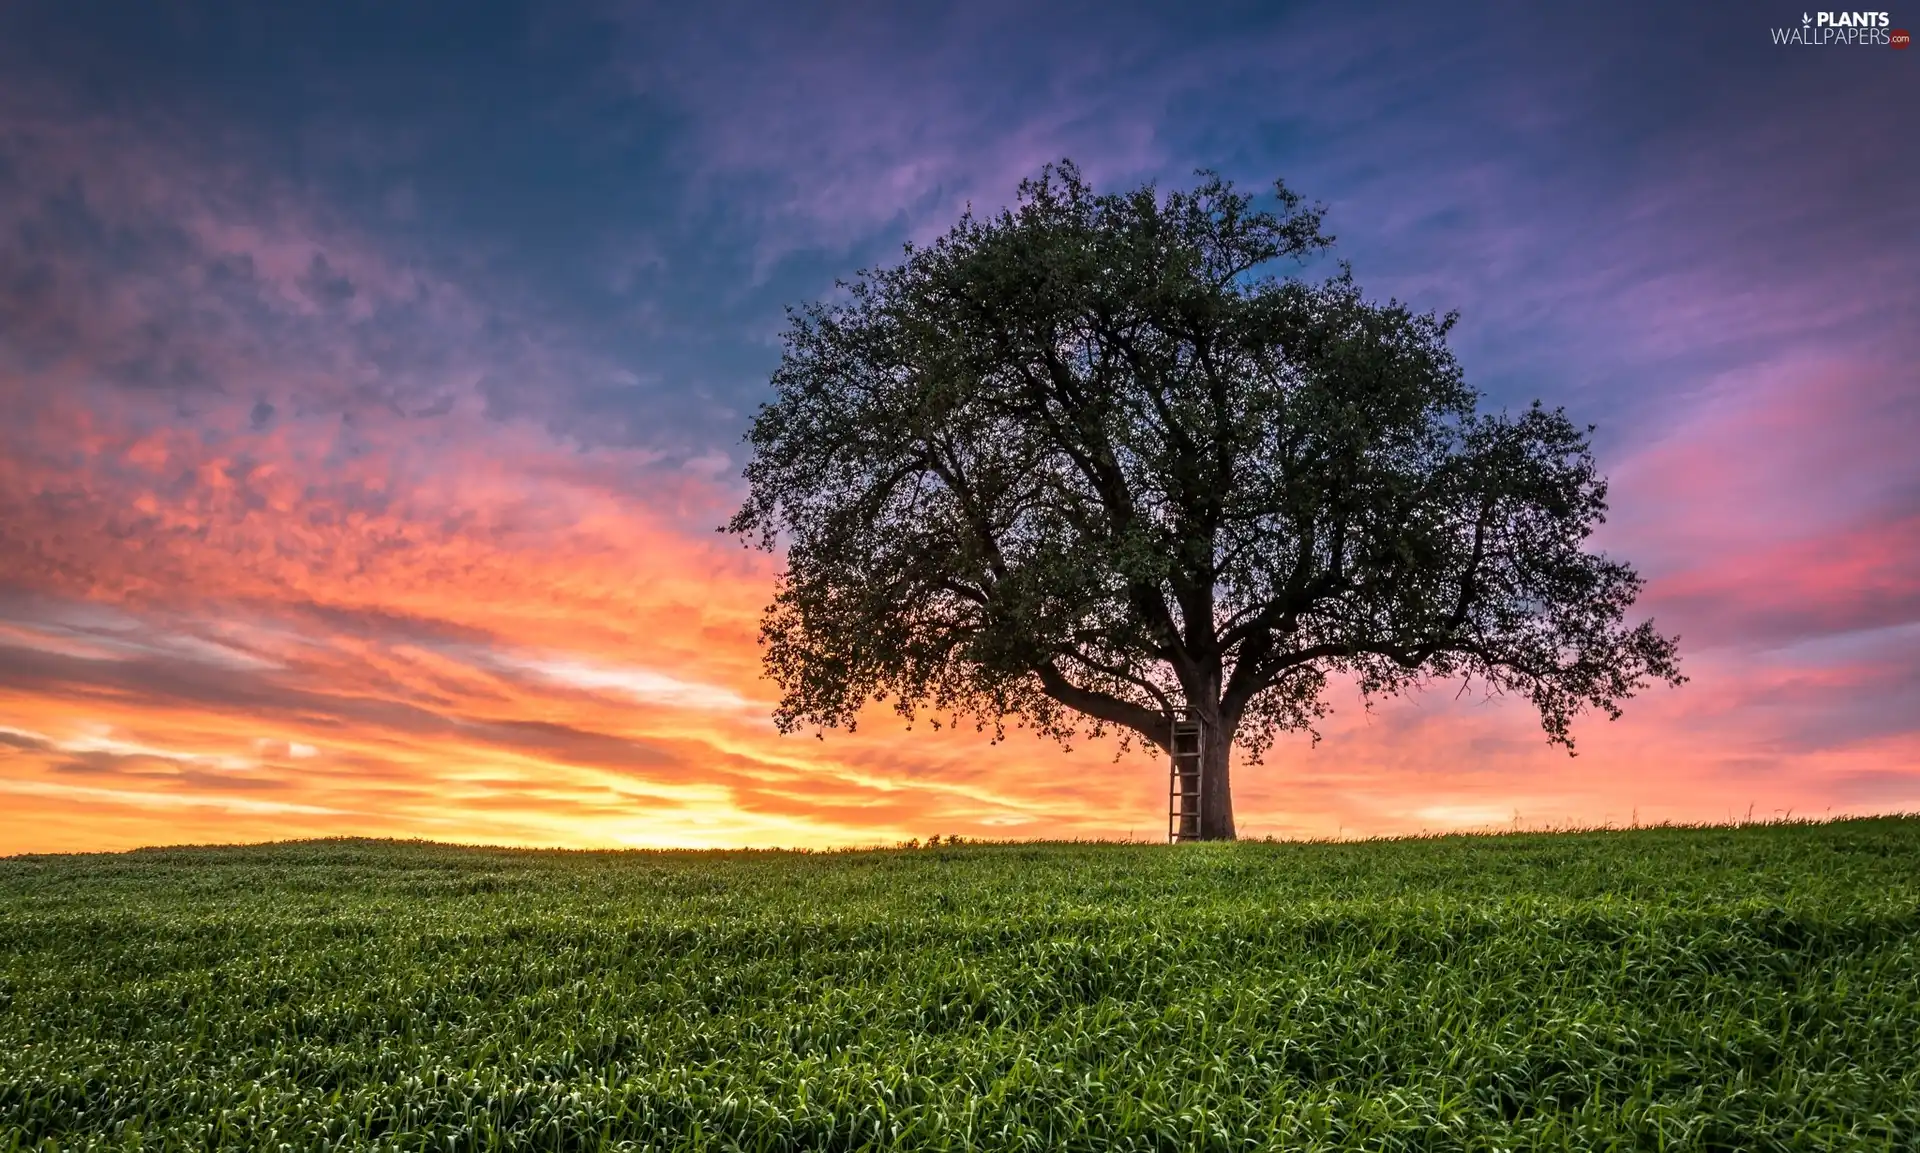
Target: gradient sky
374,377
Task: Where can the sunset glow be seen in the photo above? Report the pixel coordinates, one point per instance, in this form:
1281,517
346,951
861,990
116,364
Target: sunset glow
365,444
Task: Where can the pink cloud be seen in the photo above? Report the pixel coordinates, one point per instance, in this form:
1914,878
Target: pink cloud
276,558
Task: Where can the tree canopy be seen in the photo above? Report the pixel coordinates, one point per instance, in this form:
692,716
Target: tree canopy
1093,458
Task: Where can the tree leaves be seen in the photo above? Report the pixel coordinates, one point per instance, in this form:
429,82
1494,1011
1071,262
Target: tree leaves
1090,458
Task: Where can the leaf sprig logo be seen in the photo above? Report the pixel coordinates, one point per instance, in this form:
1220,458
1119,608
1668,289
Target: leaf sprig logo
1850,29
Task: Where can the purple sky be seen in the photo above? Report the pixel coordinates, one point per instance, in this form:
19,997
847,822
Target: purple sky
306,314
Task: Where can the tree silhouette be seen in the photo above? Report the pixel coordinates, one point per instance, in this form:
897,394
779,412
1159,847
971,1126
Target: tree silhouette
1090,459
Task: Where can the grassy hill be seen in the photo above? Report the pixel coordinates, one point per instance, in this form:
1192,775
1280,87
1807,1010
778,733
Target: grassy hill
1740,988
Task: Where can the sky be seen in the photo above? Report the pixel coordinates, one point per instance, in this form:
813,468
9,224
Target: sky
373,380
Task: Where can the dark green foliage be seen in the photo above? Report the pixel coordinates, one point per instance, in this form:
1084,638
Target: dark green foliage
1727,989
1092,459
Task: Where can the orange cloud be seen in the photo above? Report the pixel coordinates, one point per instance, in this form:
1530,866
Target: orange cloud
276,560
215,640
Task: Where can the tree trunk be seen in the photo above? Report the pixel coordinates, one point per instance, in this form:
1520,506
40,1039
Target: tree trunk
1216,792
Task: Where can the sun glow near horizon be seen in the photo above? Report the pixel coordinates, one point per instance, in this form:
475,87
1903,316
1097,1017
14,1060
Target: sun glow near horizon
364,455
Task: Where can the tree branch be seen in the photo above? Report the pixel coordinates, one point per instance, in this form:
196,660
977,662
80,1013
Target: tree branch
1105,707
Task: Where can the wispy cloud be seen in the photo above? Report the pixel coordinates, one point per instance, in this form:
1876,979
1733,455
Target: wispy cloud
360,469
639,684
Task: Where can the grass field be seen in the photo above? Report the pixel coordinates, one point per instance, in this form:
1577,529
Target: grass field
1742,988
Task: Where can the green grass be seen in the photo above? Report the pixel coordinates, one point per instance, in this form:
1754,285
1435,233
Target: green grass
1739,988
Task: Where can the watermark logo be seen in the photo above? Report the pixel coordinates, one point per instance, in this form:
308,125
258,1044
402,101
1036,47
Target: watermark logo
1847,29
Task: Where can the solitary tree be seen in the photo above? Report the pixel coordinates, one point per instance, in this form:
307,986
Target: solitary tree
1090,460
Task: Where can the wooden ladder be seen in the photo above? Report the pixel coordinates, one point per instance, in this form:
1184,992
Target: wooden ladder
1183,777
